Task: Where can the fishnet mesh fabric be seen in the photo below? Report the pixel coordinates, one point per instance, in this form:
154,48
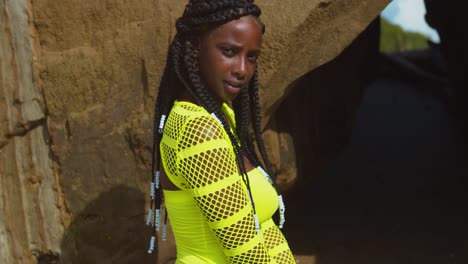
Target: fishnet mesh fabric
170,156
211,164
174,124
223,203
201,132
255,255
273,237
285,257
207,168
236,234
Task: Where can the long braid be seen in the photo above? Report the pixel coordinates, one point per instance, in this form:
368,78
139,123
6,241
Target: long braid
241,106
211,106
202,15
256,122
163,100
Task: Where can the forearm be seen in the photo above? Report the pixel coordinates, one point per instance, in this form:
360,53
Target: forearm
276,244
229,214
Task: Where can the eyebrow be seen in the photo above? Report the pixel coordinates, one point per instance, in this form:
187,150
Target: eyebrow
236,46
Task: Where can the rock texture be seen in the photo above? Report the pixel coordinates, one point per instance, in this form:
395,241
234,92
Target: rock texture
78,82
31,208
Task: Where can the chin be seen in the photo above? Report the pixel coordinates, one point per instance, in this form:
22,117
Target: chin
230,99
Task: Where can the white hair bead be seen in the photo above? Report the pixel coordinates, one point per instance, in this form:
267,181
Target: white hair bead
157,219
164,232
151,248
255,216
265,174
157,179
282,209
161,123
148,219
257,223
215,117
153,190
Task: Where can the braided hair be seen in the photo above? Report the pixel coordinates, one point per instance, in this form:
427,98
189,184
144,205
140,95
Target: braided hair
182,72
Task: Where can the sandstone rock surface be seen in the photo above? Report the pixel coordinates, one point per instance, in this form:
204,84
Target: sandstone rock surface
77,84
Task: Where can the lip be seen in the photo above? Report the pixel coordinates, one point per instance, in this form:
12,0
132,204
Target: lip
232,87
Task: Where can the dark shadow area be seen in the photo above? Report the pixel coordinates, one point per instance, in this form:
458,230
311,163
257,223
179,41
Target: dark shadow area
110,229
392,164
319,111
324,103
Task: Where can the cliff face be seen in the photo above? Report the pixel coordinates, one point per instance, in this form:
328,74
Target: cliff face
31,205
78,83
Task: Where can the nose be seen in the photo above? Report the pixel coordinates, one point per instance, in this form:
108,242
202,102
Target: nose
240,69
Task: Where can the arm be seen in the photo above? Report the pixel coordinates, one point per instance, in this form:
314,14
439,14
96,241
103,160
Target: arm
208,164
276,244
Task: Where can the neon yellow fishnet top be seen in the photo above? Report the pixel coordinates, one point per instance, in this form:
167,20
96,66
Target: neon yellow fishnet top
211,216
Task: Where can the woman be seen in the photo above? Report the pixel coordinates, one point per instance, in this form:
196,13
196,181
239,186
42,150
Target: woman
218,198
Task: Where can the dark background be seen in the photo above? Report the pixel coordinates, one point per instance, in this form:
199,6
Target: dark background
396,190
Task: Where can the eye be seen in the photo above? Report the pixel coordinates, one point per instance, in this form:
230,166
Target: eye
252,57
229,52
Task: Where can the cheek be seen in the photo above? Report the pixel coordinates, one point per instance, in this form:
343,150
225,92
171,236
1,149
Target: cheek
205,66
251,71
209,61
217,67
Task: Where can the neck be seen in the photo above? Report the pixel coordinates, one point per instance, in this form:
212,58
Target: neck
188,97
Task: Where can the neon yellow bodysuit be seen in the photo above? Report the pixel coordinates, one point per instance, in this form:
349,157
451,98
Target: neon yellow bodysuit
212,216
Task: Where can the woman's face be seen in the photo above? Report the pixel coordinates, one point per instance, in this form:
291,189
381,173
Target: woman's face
228,57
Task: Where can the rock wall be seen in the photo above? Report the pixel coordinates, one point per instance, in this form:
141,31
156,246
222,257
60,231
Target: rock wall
31,208
77,86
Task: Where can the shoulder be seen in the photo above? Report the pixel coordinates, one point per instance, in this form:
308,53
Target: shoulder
200,129
196,124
